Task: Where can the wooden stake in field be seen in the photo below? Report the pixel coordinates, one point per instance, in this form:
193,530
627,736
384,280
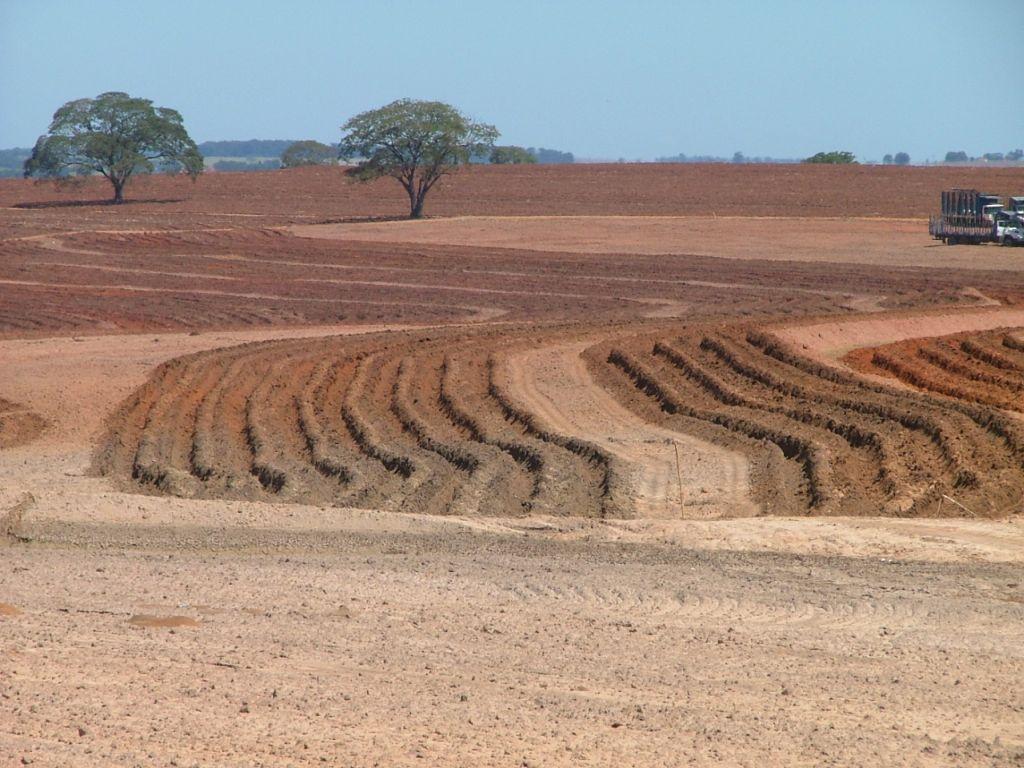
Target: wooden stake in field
679,477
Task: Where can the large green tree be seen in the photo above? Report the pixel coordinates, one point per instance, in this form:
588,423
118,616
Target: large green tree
415,142
116,136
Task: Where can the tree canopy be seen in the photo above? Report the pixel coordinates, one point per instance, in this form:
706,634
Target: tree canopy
511,156
116,136
415,142
308,153
835,157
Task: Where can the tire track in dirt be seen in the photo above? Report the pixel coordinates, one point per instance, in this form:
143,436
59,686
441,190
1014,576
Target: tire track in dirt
705,481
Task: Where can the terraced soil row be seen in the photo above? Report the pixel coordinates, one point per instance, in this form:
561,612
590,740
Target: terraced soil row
411,422
821,441
983,368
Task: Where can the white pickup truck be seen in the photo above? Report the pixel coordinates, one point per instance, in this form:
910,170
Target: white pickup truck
1010,231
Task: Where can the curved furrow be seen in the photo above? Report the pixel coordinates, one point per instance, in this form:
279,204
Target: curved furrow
460,402
813,452
1011,342
569,483
263,465
495,483
1005,430
609,487
279,449
429,485
800,452
931,373
989,355
884,438
158,458
983,448
968,368
406,408
124,427
434,488
913,414
220,455
373,481
323,455
860,465
361,426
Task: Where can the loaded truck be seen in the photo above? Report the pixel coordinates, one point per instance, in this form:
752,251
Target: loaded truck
967,217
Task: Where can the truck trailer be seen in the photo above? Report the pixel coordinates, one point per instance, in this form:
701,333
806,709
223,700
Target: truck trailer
968,217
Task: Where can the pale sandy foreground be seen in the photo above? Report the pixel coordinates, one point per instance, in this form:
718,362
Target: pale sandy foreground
408,644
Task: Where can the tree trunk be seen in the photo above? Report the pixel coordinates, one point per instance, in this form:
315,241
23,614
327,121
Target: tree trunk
416,210
118,191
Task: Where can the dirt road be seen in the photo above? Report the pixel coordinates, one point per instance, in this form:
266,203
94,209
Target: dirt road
851,240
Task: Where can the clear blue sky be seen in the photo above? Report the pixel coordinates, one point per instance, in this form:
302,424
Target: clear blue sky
603,79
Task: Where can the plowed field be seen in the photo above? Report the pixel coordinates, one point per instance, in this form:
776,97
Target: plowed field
607,469
983,368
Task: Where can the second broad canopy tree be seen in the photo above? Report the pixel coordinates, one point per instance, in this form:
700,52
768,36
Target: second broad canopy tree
415,142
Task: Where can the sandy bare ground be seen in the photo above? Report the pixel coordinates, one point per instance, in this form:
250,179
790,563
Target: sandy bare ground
412,649
833,339
672,475
883,242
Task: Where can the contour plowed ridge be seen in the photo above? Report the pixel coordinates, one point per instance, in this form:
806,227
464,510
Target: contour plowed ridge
822,441
981,367
403,422
434,422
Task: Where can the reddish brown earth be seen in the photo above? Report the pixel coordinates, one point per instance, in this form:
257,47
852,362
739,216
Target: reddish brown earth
301,195
509,491
983,368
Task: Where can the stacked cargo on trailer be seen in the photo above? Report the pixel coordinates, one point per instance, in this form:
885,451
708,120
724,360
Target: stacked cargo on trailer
967,216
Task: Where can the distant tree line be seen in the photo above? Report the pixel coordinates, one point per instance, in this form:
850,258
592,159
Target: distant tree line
12,161
900,158
251,148
551,156
309,152
246,165
959,156
738,157
511,156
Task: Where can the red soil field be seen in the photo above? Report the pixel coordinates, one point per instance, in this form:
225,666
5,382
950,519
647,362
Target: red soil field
425,420
317,194
982,368
273,499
